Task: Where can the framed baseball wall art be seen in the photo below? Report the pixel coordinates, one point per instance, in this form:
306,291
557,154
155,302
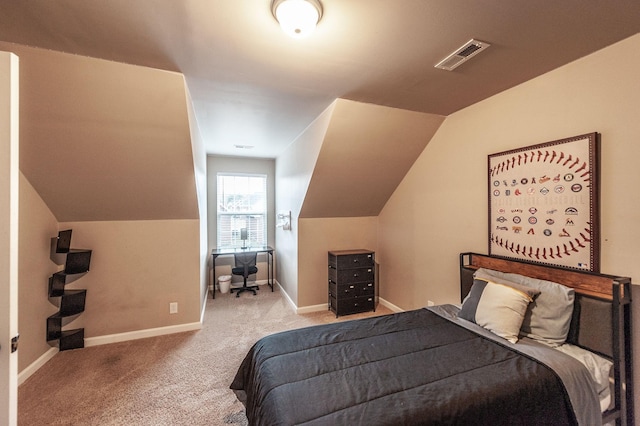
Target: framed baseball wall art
544,203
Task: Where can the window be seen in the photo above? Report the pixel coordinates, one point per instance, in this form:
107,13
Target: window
242,204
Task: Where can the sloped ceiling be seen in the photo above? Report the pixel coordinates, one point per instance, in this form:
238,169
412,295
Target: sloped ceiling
103,141
253,85
366,152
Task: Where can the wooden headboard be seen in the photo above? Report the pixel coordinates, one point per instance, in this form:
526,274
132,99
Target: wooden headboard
601,319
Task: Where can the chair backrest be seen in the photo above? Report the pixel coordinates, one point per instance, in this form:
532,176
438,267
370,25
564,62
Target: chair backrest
245,259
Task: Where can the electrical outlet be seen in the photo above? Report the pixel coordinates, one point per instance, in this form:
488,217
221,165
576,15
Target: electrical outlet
173,307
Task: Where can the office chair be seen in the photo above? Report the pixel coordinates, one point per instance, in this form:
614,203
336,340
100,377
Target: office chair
245,266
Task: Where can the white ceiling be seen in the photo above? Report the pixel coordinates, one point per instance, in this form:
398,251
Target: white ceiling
252,85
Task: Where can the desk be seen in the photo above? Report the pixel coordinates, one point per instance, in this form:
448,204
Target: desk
231,250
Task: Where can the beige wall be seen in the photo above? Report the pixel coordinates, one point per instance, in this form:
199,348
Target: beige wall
200,175
440,209
150,144
294,168
316,238
137,269
222,164
366,152
345,165
37,227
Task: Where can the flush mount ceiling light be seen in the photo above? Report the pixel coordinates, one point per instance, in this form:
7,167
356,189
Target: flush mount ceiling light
298,18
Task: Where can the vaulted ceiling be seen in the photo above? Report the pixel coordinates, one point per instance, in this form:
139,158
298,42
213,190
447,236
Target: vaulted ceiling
252,85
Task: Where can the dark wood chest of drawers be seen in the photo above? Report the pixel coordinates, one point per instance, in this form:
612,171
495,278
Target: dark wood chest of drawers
351,281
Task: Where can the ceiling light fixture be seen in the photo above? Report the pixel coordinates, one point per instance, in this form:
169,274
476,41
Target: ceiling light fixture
298,18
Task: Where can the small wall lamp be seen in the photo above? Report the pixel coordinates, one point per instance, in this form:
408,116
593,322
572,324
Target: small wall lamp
284,221
298,18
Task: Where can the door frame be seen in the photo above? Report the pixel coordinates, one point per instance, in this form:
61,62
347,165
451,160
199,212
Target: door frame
9,190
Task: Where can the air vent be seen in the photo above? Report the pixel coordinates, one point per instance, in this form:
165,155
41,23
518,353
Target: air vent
462,55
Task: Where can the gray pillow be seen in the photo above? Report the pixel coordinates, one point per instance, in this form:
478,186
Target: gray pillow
548,317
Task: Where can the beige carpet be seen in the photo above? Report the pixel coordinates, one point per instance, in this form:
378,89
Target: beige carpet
179,379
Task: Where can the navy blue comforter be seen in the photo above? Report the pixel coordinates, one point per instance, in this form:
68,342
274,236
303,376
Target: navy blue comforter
411,368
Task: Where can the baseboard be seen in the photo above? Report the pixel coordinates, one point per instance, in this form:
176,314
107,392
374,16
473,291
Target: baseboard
141,334
324,307
203,307
103,340
35,366
390,305
239,284
303,310
159,331
312,308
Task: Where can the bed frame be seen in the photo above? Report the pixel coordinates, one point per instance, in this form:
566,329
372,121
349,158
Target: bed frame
601,319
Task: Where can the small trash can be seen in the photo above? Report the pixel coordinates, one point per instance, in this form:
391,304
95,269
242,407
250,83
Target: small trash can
224,281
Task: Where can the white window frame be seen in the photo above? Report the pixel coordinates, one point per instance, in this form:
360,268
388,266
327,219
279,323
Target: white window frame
239,208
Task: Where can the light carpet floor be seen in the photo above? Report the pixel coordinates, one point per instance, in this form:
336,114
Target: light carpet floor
178,379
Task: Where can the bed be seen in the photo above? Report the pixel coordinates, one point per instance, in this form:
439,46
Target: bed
458,364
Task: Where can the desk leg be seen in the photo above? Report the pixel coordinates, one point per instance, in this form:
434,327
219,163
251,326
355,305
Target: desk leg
213,278
270,271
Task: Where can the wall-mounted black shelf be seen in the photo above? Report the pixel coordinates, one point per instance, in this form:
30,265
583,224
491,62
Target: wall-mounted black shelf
70,303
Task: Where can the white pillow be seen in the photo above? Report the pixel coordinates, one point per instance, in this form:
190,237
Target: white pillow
497,307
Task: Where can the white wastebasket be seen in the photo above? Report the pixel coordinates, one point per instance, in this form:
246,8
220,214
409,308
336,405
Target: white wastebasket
224,281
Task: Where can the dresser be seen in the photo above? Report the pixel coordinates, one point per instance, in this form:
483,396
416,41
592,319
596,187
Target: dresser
351,281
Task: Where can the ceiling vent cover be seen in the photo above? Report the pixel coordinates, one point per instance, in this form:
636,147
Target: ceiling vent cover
462,55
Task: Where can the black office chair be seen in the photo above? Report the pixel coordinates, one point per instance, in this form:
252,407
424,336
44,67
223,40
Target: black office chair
245,266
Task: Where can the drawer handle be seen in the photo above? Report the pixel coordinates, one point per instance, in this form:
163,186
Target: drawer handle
369,285
352,286
356,275
355,260
368,270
